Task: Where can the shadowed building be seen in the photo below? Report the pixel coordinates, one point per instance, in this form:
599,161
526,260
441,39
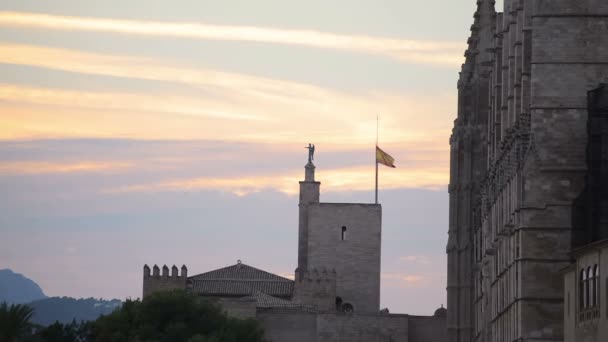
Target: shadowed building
523,193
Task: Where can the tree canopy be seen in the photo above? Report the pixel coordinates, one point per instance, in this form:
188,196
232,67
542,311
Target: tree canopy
171,316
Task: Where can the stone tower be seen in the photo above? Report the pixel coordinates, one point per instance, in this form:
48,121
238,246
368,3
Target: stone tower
344,238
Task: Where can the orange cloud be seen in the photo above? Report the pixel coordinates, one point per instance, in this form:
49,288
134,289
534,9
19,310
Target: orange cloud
349,179
411,51
418,259
153,70
35,167
324,117
405,278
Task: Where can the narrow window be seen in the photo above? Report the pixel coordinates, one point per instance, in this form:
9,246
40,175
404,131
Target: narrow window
587,288
343,236
581,290
596,285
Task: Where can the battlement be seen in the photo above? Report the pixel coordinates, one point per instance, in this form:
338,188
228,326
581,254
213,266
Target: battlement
316,287
156,281
156,271
322,274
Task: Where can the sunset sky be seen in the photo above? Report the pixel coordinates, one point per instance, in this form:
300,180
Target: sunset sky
173,132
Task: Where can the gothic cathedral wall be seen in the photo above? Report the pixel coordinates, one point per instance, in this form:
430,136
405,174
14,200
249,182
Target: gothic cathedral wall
513,229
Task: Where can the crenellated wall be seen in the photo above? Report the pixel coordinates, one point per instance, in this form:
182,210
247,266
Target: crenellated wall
156,281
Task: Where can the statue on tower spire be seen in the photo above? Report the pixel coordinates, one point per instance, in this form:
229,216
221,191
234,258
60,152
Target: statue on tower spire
311,152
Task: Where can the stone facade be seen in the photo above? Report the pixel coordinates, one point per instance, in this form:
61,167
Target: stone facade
518,164
316,287
586,295
331,327
586,280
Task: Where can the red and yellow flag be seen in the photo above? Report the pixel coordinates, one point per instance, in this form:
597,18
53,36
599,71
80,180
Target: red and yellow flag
384,158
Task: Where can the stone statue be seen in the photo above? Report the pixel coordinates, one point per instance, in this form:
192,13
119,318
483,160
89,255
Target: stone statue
311,152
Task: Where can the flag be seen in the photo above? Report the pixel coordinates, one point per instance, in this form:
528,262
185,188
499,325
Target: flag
384,158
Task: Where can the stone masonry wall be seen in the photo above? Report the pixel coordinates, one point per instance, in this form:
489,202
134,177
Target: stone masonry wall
307,327
569,54
356,259
544,57
363,328
427,329
289,327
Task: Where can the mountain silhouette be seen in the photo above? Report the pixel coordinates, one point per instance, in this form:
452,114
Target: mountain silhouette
65,309
17,289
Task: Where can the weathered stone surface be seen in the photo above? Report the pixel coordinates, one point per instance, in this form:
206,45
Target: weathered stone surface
513,186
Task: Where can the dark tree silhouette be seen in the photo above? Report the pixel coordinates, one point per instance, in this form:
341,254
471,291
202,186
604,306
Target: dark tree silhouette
173,316
14,322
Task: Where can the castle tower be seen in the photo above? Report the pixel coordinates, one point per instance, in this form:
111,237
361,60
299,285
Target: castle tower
345,237
309,195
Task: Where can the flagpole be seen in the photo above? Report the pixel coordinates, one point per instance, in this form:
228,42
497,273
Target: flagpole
376,158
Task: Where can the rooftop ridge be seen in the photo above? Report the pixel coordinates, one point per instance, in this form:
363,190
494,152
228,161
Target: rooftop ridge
245,279
240,272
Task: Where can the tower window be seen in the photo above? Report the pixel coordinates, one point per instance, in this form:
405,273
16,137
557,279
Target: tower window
343,234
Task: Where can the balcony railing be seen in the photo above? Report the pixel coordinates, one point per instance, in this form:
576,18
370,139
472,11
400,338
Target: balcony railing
588,314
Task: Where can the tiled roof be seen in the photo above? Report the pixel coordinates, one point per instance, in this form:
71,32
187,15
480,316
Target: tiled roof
240,280
265,301
239,271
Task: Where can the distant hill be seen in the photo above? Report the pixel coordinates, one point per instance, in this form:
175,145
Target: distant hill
17,289
65,309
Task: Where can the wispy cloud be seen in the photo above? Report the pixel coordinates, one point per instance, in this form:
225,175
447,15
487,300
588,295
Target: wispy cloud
322,116
147,68
417,259
348,179
410,51
35,168
120,101
407,279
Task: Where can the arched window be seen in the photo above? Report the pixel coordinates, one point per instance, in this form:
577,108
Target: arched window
343,236
588,280
581,289
596,285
